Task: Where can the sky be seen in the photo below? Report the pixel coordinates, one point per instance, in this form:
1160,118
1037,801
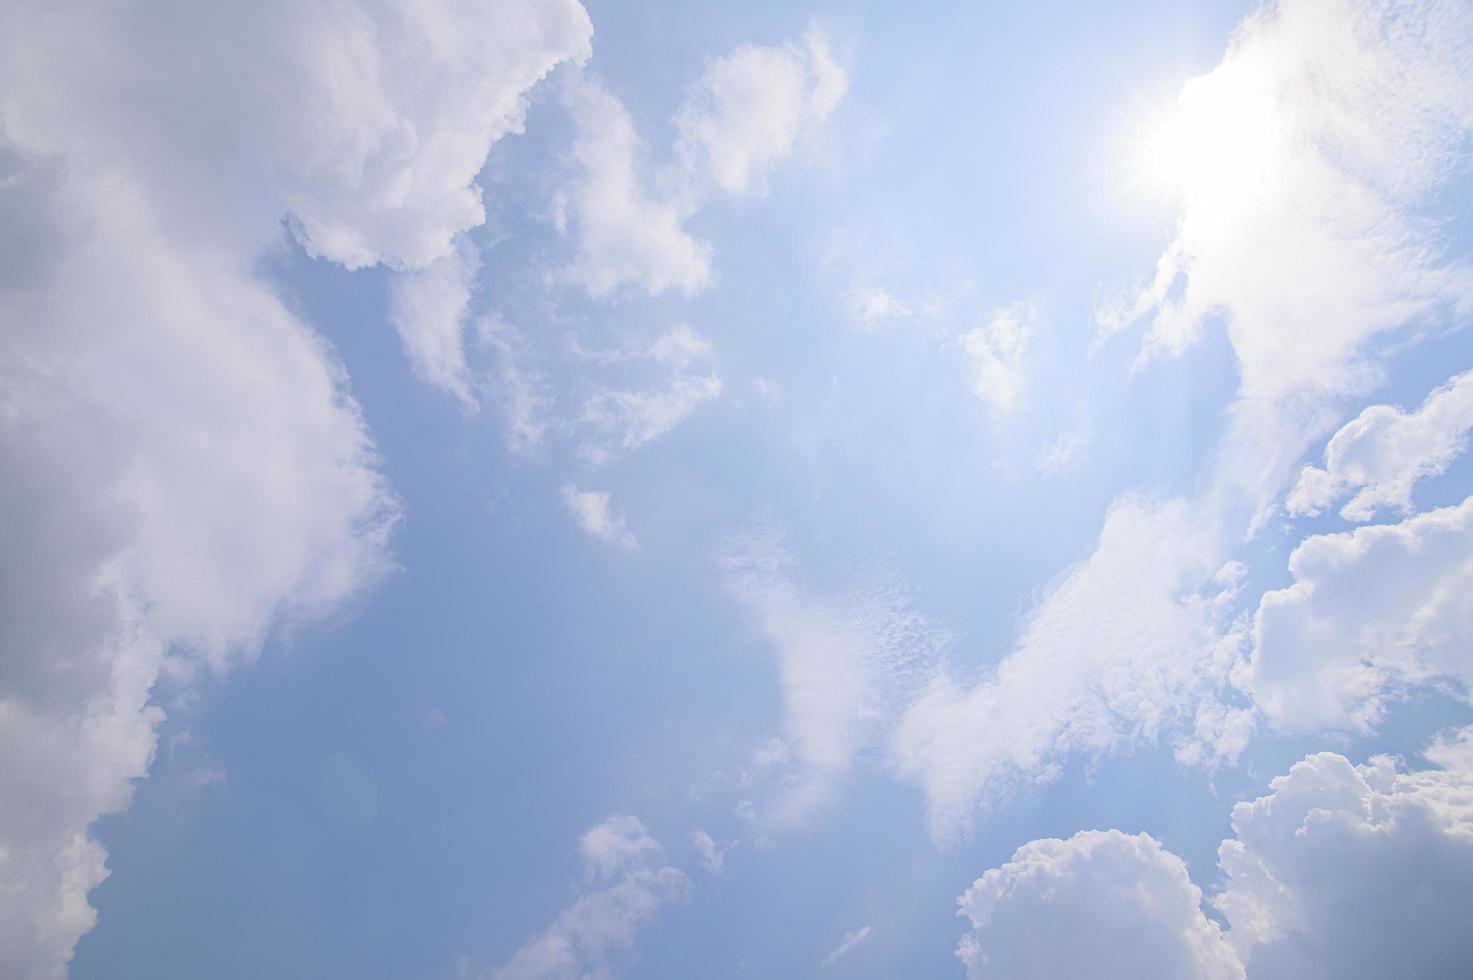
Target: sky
508,489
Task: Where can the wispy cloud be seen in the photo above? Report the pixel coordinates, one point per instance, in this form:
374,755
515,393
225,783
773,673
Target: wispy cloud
850,940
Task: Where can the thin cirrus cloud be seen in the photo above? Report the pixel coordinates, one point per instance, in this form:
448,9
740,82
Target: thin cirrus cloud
1131,645
995,355
847,662
850,940
628,882
592,512
191,471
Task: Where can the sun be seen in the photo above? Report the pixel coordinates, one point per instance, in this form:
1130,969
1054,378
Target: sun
1223,137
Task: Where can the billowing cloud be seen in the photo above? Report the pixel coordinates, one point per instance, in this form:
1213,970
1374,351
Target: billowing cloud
1355,871
187,470
1339,871
753,105
628,884
1371,612
1100,904
995,355
590,508
1131,644
1382,453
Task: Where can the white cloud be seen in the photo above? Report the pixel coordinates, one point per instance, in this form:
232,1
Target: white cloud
428,308
1100,904
623,236
1301,162
622,421
1340,871
186,470
591,509
1063,453
1384,451
1129,645
626,864
618,843
850,940
521,392
713,854
847,664
1355,871
678,346
995,355
753,105
627,215
871,304
1370,613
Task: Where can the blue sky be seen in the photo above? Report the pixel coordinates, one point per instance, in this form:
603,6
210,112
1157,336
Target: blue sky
537,489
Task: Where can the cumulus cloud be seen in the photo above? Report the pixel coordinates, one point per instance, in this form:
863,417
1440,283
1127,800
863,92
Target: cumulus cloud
995,355
847,663
1339,871
1370,613
1384,451
1355,871
753,105
624,235
186,468
1131,644
590,508
1303,162
628,884
1100,904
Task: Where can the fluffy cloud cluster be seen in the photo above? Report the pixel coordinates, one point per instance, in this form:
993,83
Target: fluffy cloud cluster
186,469
1370,613
1100,904
1341,871
748,111
1384,451
629,883
1355,871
